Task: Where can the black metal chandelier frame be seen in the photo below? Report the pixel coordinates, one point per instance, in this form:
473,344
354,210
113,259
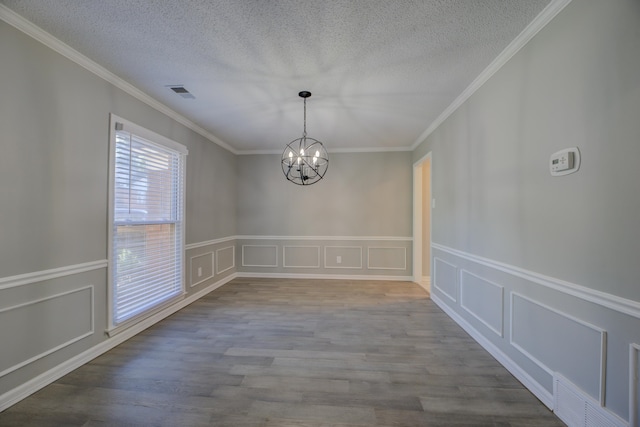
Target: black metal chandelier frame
305,160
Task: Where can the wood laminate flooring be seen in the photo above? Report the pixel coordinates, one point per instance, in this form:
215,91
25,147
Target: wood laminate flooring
267,352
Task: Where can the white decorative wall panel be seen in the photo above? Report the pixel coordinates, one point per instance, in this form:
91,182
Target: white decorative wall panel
634,385
201,268
259,256
482,299
45,326
559,343
445,278
301,256
387,258
350,257
225,259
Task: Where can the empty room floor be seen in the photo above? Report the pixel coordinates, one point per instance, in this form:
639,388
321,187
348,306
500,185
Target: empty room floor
286,352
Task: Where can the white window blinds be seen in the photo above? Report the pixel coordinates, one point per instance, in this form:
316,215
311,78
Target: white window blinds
147,242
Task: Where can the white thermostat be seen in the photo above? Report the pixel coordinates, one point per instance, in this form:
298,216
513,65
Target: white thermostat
564,161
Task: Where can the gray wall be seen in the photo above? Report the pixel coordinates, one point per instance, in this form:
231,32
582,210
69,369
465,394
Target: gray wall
54,129
362,194
54,117
355,222
543,254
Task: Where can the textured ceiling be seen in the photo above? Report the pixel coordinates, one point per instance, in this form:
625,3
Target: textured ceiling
381,71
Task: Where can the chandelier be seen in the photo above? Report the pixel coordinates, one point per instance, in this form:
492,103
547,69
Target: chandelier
305,160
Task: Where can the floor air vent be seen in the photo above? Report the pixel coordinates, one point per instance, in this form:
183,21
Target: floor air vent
577,409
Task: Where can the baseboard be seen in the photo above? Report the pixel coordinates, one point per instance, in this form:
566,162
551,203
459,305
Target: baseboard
324,276
12,397
540,392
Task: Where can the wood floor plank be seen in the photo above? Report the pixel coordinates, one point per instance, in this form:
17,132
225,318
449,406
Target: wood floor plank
305,353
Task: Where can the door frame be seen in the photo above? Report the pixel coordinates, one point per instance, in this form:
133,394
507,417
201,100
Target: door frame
418,214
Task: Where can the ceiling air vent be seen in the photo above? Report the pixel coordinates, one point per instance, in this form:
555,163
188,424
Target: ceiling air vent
180,90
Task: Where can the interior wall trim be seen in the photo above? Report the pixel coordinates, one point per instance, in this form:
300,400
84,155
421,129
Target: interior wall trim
24,390
329,238
453,298
35,32
54,273
233,259
370,266
89,332
356,267
275,251
324,276
622,305
191,246
634,384
192,284
539,22
540,364
540,392
499,331
284,256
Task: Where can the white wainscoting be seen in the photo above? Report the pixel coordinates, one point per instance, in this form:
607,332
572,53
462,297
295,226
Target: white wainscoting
301,256
54,273
550,338
622,305
551,328
483,300
386,258
13,396
634,385
321,257
445,278
204,262
47,325
213,242
259,255
225,259
351,257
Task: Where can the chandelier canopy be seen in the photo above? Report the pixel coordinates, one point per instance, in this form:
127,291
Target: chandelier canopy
305,160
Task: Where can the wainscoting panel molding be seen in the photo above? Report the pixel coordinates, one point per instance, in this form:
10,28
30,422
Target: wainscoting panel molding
225,259
301,256
445,278
522,375
387,258
483,299
550,328
622,305
558,342
201,268
330,238
326,257
54,273
349,257
634,385
259,255
15,395
37,337
196,245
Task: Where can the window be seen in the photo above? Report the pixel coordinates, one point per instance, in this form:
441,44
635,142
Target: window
146,219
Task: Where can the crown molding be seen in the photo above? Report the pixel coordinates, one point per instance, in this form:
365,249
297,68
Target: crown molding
27,27
540,21
37,33
332,151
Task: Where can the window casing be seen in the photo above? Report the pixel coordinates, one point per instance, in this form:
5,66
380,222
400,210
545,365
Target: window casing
146,236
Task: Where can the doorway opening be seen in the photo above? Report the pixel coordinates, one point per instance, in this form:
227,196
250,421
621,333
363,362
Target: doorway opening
422,204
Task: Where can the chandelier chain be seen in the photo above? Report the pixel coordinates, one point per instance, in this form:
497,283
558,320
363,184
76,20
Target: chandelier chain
304,132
